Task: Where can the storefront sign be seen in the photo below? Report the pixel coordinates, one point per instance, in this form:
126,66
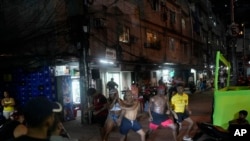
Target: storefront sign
110,54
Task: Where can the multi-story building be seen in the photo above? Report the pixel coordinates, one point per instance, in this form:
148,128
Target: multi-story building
139,41
149,39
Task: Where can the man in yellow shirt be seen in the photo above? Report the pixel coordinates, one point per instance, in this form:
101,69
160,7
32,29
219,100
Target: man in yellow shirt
180,107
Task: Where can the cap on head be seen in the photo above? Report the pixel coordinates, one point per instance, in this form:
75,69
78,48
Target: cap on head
38,109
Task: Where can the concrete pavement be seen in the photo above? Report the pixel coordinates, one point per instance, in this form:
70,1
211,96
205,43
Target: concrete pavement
200,104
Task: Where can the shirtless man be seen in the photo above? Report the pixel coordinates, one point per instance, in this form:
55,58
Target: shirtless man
130,108
114,113
158,111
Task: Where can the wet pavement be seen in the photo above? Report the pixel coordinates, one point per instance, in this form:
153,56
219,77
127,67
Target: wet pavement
200,104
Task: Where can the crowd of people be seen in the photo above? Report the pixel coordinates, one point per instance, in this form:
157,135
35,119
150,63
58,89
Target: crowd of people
41,122
162,111
123,113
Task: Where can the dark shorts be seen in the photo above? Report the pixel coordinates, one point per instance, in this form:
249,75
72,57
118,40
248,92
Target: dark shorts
182,116
159,119
127,124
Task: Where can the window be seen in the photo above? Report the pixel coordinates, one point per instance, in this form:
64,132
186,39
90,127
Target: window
151,37
183,23
187,51
164,13
152,40
124,35
172,17
171,44
155,4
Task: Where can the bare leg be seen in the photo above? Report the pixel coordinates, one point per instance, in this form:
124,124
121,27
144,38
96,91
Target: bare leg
142,134
109,124
173,127
190,125
178,127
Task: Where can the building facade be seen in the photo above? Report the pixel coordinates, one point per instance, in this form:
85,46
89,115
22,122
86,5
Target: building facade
129,40
155,38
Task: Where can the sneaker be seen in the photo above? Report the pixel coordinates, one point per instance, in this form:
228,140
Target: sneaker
185,138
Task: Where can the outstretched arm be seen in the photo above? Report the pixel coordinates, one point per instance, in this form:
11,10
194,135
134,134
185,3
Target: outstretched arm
128,106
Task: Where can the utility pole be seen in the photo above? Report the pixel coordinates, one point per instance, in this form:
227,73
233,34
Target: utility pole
79,23
84,46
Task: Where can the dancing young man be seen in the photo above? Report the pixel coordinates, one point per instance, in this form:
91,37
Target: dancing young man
130,107
180,107
158,110
113,119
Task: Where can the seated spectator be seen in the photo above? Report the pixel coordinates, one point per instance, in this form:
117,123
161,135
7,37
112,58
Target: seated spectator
228,135
241,120
13,128
39,116
239,124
